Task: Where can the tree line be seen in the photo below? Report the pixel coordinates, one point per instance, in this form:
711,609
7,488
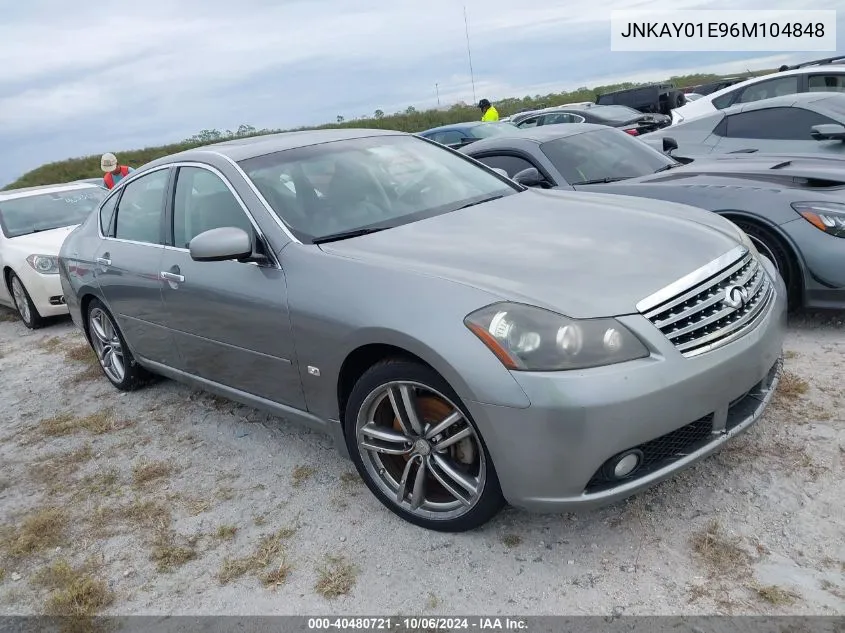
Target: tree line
409,120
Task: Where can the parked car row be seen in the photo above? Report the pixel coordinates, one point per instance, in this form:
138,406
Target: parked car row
467,340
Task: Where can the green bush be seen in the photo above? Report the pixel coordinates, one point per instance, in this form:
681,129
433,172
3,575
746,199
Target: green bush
410,120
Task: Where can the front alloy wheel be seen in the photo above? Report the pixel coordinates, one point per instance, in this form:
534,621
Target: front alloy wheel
419,451
26,308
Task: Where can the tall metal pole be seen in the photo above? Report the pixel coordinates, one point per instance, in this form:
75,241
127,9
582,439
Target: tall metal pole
469,55
437,88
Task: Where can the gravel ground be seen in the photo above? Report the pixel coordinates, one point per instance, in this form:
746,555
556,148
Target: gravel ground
170,501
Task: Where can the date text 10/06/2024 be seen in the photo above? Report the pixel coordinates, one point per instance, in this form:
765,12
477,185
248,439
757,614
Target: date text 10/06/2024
418,623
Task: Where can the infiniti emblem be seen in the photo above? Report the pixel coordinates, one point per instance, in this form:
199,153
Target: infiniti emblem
735,297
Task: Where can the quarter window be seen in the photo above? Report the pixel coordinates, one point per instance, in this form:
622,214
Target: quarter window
107,215
139,210
778,87
826,83
203,202
781,124
511,164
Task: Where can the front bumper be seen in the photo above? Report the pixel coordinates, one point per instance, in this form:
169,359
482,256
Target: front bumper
45,291
676,410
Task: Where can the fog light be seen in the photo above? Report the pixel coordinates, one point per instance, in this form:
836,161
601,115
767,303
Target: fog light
626,465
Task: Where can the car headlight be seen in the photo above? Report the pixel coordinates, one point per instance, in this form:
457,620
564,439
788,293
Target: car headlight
44,264
825,216
527,338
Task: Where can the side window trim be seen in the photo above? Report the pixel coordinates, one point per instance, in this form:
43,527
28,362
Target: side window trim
116,212
171,194
113,196
516,154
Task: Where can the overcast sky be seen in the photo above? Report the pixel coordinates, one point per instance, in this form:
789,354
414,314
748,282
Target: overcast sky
81,77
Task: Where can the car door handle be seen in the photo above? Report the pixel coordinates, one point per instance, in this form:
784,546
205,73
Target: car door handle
172,276
103,261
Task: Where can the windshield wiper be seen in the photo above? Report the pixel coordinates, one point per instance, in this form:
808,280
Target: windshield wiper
667,167
482,201
345,235
599,181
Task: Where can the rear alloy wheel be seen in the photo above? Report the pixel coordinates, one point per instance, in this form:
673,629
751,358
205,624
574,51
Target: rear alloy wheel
26,308
771,247
418,450
108,343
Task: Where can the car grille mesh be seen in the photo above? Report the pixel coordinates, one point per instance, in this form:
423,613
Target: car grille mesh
700,319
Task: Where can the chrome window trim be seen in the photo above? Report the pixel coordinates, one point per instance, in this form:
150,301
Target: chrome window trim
117,189
210,168
693,279
258,194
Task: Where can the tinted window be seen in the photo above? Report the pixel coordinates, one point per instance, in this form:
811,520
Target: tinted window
615,113
203,202
783,124
450,137
826,83
529,122
511,164
722,102
45,211
377,181
562,117
106,216
139,211
777,87
599,154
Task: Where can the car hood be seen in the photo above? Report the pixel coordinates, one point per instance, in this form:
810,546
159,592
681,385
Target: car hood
781,170
43,242
581,254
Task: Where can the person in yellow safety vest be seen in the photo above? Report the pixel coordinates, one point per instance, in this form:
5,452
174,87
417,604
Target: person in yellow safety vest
488,112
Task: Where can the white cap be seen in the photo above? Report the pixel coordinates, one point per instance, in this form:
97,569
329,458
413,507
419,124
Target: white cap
108,162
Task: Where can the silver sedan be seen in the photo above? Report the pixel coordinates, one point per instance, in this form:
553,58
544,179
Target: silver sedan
467,341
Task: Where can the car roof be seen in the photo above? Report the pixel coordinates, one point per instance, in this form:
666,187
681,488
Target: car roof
538,135
453,126
804,70
249,147
25,192
797,99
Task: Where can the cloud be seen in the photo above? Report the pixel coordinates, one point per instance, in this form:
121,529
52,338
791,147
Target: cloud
100,77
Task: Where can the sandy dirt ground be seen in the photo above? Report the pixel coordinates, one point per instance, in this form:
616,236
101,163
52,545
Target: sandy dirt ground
170,501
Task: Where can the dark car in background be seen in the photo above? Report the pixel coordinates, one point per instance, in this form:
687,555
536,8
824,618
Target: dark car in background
712,86
654,98
457,135
627,119
810,122
792,209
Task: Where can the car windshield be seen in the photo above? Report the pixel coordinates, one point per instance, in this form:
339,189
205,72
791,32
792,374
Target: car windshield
603,154
615,113
368,183
36,212
487,130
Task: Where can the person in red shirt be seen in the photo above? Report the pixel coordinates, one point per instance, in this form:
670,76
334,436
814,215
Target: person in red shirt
113,172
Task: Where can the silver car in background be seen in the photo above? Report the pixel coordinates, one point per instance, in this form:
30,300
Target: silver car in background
467,341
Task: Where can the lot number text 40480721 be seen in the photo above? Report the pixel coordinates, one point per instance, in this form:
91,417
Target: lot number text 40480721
417,623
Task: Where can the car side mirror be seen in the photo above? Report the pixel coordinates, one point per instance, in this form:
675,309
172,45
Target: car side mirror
669,144
222,244
529,177
828,132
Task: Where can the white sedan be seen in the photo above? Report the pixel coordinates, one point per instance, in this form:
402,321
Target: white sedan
33,225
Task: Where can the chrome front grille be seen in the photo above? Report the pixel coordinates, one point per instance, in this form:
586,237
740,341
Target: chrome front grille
720,303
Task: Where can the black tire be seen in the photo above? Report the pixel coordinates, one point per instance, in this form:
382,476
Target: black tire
28,313
133,376
771,246
489,500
